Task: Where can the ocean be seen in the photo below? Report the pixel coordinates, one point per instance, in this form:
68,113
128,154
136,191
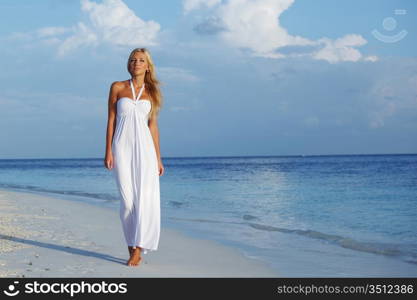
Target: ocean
305,216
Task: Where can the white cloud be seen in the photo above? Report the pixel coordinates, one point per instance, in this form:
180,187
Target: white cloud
372,58
377,118
254,24
83,36
18,36
111,22
115,23
412,82
37,106
392,95
52,41
51,31
342,49
190,5
177,74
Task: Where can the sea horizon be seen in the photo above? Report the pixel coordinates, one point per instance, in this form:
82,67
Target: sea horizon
230,156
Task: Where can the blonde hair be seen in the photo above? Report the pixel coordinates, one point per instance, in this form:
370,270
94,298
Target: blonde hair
151,82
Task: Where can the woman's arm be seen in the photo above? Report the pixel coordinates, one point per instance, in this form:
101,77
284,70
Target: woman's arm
111,122
153,126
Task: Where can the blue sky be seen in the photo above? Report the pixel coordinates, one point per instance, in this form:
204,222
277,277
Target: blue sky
240,77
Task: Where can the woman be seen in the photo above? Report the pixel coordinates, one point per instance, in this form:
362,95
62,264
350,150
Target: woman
132,148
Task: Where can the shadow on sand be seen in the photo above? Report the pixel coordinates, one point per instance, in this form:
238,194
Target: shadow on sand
63,248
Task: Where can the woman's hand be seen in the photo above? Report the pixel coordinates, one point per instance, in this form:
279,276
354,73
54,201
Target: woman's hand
160,167
108,161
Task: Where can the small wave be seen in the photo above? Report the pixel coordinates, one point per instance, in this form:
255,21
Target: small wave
345,242
200,220
176,204
408,254
249,217
99,196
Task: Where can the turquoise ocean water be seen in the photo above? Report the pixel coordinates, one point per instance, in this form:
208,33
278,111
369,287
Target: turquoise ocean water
321,216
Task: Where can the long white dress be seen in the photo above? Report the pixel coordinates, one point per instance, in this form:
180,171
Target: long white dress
135,167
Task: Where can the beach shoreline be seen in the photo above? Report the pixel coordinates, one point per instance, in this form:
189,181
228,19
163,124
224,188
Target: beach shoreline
45,236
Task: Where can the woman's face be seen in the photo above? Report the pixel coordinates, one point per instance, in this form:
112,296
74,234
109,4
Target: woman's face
138,64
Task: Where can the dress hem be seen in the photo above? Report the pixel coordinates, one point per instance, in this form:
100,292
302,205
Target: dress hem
145,250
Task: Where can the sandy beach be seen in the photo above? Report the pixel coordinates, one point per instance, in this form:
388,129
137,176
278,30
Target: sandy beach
42,236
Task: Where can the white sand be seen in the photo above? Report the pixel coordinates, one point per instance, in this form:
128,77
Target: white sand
41,236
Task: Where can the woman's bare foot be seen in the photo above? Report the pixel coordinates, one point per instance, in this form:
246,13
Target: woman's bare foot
134,257
130,250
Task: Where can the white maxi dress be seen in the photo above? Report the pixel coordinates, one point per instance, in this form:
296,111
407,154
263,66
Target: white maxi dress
135,167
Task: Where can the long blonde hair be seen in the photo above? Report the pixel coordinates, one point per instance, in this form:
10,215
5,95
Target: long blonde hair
151,82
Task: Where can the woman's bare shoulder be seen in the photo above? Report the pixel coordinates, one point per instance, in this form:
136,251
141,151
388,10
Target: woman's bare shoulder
119,85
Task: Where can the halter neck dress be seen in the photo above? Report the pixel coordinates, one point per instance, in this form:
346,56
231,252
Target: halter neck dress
135,167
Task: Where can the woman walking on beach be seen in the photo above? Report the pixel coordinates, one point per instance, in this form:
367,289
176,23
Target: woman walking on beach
132,149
